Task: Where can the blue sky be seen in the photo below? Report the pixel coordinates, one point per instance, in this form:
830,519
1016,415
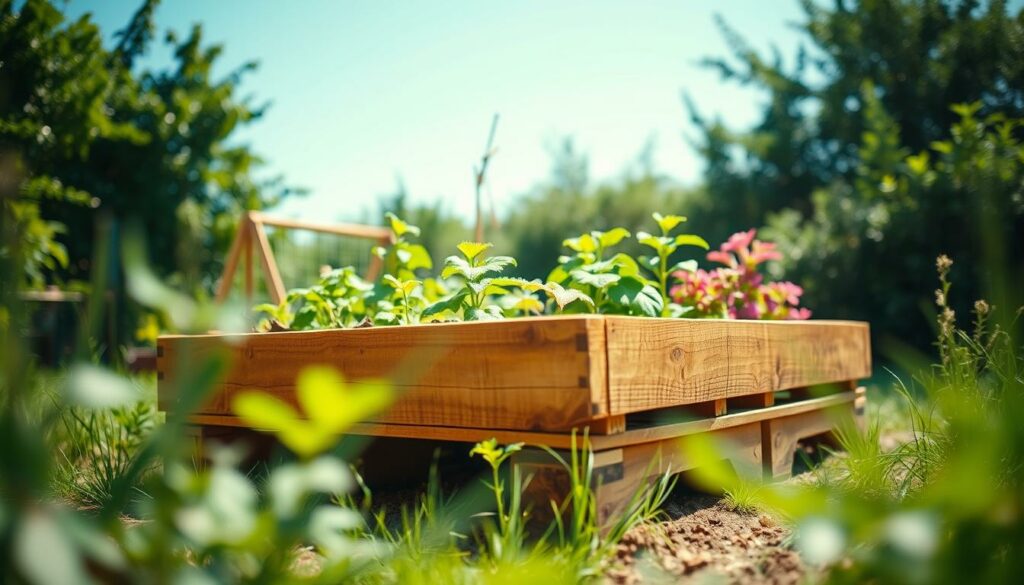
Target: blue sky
366,92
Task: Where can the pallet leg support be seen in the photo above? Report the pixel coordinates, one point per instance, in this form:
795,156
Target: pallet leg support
620,476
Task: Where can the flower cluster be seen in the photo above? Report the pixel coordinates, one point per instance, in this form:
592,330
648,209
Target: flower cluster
738,290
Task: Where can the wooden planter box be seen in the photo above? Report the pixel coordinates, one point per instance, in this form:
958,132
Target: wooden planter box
637,384
539,374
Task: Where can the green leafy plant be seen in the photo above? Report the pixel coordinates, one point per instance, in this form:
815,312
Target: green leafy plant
495,455
477,275
664,247
330,405
403,259
614,284
338,299
405,304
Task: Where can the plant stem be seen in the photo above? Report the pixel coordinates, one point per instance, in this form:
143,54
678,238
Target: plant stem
663,278
499,498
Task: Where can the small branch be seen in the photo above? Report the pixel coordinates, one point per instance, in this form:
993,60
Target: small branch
481,173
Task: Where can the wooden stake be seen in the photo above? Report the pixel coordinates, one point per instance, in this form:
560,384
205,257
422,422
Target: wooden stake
481,172
231,264
247,250
270,273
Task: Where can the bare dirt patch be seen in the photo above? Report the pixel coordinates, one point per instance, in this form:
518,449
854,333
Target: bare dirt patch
706,542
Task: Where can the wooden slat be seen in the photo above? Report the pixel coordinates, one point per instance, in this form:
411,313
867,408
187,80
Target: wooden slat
563,440
242,240
760,400
553,365
620,474
369,232
275,286
657,363
517,374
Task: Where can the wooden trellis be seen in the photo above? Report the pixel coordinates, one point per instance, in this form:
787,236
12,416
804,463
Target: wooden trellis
252,236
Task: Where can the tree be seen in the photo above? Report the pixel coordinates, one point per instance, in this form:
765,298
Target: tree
833,164
92,137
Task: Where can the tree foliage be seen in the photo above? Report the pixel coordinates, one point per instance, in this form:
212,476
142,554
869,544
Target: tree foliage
90,135
889,138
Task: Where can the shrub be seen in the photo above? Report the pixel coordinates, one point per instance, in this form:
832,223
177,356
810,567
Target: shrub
738,291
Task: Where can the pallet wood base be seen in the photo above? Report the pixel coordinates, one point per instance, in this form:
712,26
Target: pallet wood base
625,461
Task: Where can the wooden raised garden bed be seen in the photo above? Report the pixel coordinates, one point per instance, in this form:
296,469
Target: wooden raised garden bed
638,384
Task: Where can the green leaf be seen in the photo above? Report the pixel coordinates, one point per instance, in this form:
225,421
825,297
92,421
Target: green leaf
529,285
418,257
499,262
304,318
385,318
627,266
691,240
659,243
488,313
599,280
563,296
676,311
401,227
651,263
336,405
612,237
454,265
473,249
687,265
638,296
262,411
453,304
667,223
407,287
561,272
528,304
582,244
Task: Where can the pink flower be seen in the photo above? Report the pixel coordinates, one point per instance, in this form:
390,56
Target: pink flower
739,241
764,251
738,290
789,292
722,257
799,314
749,311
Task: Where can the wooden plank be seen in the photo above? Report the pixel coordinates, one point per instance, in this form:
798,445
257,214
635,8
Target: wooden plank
247,269
369,232
610,425
645,462
621,474
657,363
472,366
562,440
376,262
761,400
780,435
275,287
526,374
242,240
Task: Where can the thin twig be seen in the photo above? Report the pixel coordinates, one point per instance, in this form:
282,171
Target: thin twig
481,172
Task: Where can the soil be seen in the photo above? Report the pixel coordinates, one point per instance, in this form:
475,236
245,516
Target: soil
705,542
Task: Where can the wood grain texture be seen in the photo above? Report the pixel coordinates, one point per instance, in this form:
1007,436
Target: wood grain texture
369,232
275,286
547,373
780,435
561,440
526,374
242,240
657,363
621,474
